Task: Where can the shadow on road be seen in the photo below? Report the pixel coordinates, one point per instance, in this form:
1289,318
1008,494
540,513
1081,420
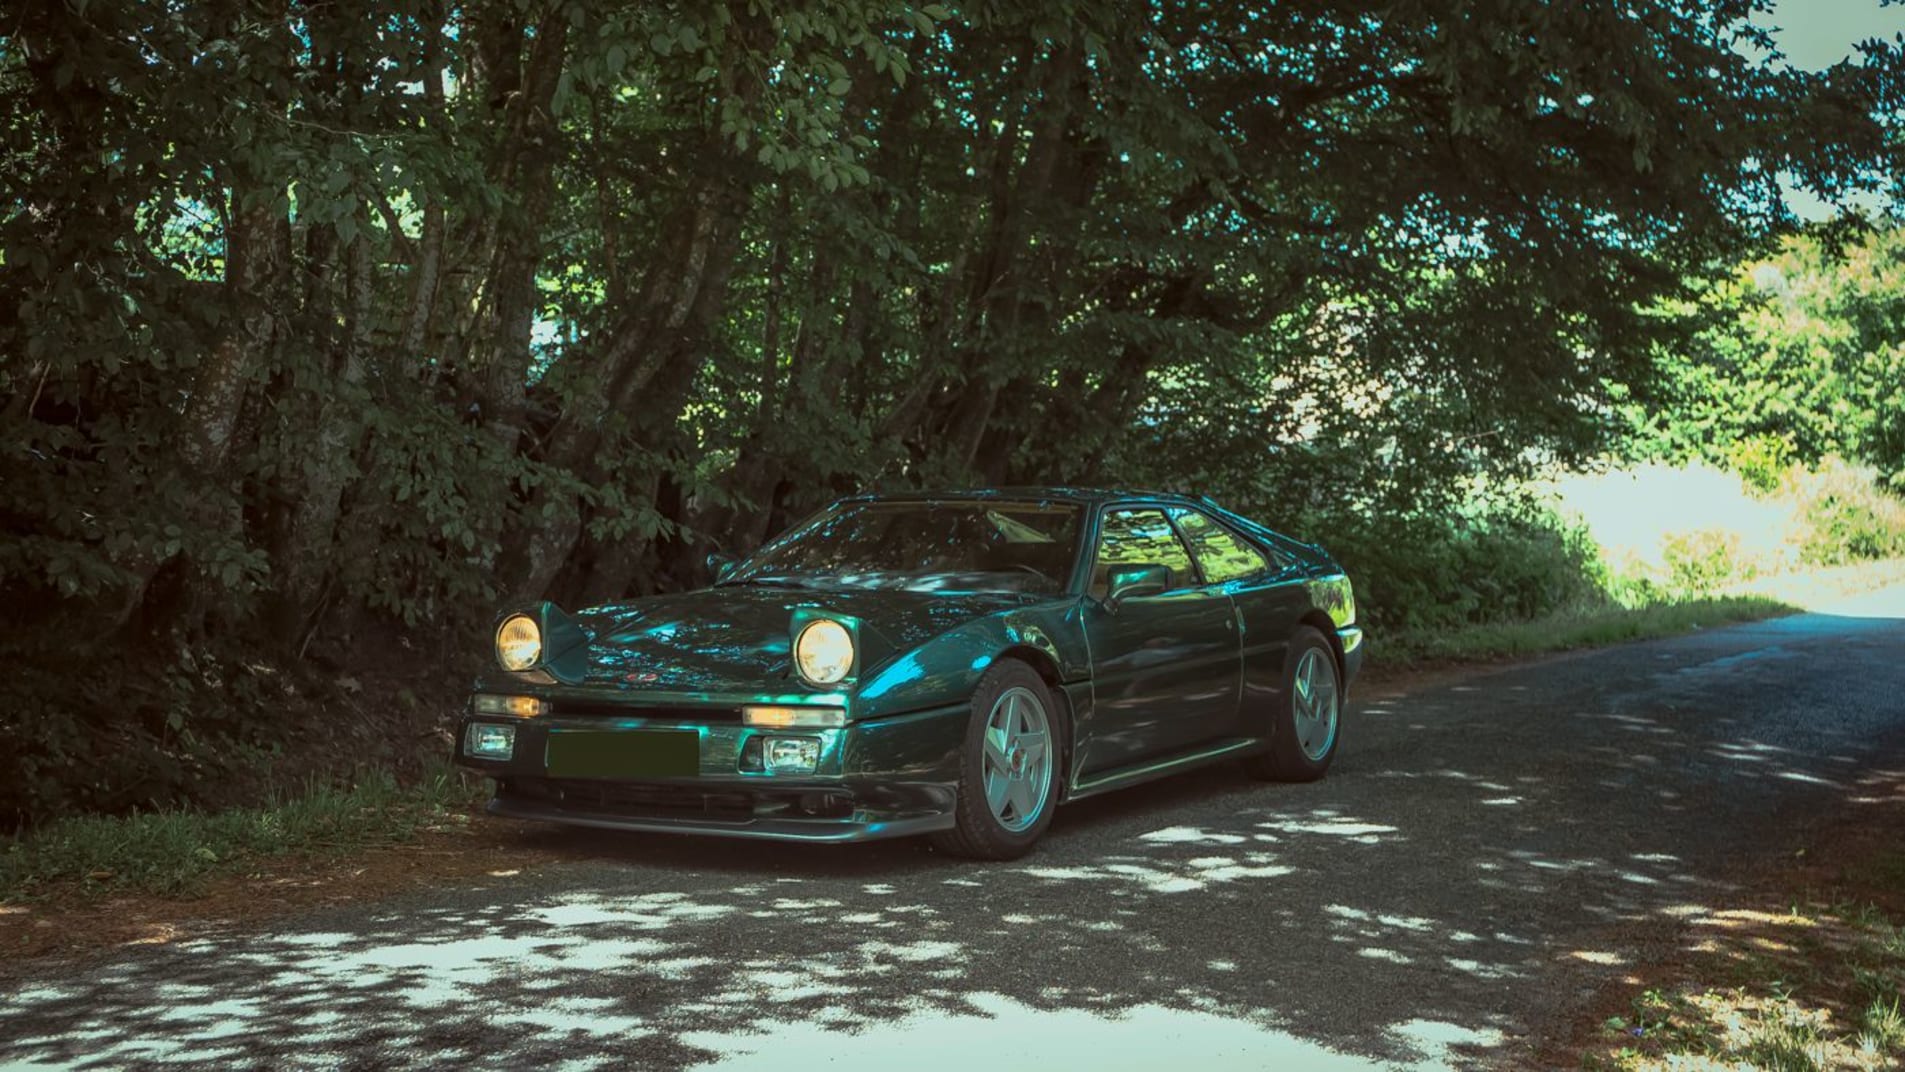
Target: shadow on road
1482,851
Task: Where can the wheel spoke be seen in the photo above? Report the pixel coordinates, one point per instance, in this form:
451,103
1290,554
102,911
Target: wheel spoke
1024,797
1033,746
996,749
997,786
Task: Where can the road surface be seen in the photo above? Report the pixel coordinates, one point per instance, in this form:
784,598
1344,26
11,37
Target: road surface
1482,849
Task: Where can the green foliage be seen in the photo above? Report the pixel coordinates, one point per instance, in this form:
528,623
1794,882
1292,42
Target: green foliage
1846,516
317,317
1803,358
1760,460
1704,560
1501,561
174,853
1579,628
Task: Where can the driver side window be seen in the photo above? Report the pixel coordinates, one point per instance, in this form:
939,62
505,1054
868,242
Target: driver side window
1141,537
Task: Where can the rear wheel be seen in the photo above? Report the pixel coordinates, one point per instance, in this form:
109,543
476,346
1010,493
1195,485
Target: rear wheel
1008,783
1307,720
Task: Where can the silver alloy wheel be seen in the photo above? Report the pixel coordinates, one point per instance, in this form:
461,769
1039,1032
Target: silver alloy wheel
1313,704
1018,759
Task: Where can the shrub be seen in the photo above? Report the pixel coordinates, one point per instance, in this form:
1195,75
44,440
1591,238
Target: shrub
1502,558
1705,560
1845,515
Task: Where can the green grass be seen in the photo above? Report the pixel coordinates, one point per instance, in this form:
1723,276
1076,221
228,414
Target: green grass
1816,988
1562,632
174,853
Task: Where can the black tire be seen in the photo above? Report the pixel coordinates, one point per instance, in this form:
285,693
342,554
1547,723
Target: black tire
1296,754
979,831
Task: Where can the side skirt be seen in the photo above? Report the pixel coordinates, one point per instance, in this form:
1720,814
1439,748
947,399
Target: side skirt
1164,767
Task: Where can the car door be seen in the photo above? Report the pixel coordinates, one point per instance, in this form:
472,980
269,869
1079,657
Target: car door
1267,593
1165,668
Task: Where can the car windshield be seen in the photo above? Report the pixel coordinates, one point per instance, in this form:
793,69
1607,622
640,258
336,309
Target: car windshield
955,545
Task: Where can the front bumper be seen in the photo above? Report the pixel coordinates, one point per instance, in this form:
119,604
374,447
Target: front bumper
876,779
1349,639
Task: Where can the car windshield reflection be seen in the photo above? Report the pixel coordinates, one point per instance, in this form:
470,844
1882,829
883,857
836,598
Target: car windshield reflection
924,547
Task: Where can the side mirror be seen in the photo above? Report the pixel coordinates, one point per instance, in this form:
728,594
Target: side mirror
1128,582
720,564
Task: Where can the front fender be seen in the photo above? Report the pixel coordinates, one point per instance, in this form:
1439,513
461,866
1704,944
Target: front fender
946,669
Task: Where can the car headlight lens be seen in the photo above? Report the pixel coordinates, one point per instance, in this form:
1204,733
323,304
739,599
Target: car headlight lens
823,652
518,642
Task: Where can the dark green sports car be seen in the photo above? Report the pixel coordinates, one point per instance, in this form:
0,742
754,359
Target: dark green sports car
952,663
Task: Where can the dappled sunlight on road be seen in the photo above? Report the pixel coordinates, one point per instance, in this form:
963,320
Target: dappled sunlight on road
739,976
1474,844
1000,1033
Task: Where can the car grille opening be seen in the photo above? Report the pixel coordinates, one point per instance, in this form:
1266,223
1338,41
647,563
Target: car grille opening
611,709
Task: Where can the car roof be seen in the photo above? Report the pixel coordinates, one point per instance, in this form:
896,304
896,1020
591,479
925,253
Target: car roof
1044,493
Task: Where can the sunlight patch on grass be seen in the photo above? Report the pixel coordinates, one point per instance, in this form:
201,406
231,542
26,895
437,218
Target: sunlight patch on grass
1830,1001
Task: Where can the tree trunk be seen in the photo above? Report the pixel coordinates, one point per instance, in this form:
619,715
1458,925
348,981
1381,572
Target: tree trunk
647,365
304,561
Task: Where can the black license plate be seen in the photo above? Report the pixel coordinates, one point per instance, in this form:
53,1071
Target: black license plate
634,754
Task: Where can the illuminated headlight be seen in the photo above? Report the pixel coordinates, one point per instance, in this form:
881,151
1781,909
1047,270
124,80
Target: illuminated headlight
520,706
793,755
487,740
823,652
794,718
518,642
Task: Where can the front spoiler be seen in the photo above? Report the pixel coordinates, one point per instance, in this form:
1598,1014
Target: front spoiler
761,829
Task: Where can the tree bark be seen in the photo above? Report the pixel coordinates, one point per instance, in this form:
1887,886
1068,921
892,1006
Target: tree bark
647,365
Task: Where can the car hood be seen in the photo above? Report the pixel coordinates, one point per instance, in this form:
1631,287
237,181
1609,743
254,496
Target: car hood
737,637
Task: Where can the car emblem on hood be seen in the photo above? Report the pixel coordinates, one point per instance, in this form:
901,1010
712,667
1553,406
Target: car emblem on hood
642,678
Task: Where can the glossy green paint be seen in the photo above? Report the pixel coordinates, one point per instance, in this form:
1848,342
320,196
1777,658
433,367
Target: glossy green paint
1165,675
1157,683
733,645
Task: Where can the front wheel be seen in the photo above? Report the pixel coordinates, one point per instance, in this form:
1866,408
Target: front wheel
1307,721
1008,767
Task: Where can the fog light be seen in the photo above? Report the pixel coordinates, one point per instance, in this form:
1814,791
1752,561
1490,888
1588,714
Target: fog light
521,706
486,740
792,755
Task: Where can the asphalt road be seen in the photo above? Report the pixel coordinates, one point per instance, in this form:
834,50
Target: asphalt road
1481,851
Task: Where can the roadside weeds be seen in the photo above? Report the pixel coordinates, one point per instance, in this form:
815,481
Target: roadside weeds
176,853
1567,632
1804,972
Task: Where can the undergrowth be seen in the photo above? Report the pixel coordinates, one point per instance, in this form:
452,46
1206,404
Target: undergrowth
175,852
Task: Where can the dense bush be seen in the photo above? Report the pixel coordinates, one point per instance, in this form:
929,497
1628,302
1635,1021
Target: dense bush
1705,560
1500,559
1845,515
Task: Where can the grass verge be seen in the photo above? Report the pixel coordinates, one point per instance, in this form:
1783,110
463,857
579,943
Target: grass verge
1562,632
175,853
1819,987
